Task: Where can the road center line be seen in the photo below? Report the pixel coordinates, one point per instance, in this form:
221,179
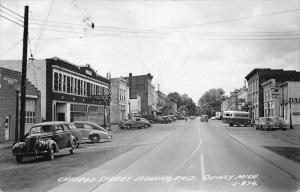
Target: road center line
202,166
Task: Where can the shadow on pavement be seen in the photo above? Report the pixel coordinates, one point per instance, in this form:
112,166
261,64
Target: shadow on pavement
292,153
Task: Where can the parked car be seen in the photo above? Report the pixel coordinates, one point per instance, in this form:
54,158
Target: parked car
45,139
76,133
154,119
192,117
92,132
270,123
135,122
204,118
213,118
167,119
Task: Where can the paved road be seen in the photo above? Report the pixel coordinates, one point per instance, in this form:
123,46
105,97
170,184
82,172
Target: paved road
194,157
182,156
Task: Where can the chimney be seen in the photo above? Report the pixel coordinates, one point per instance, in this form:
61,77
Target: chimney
130,85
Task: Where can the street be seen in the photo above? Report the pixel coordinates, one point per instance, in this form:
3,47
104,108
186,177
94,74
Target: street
181,156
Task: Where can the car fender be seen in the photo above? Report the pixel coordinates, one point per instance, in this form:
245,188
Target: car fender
50,142
94,132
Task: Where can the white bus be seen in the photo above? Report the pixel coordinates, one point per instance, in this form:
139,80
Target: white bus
236,118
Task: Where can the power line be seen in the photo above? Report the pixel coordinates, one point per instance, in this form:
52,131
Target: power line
11,20
11,11
191,25
12,16
13,46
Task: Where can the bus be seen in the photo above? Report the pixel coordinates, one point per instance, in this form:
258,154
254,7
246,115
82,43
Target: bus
219,115
236,118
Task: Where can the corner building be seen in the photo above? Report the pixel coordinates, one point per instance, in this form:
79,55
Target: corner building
68,92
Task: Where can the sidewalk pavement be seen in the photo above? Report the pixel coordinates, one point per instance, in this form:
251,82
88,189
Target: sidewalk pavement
259,142
7,144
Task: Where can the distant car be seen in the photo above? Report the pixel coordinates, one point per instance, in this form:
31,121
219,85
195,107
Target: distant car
167,119
135,122
92,132
192,117
213,118
204,118
270,123
45,139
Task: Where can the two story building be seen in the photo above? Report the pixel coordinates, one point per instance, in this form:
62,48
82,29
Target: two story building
68,92
119,105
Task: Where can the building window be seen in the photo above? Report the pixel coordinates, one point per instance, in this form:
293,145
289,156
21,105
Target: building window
30,111
75,86
64,83
79,87
68,84
72,85
55,81
59,81
85,89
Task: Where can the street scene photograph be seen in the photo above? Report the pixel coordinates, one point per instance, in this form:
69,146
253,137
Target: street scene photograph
149,96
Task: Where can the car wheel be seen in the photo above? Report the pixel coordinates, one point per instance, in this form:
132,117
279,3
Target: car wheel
73,146
95,138
50,153
19,158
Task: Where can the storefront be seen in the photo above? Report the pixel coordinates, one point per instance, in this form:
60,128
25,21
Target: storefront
290,103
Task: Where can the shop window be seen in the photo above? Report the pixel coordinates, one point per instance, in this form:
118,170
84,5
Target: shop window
30,111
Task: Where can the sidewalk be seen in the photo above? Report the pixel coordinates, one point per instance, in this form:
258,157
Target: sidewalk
7,144
280,148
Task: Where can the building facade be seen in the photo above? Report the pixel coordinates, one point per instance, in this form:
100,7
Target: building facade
68,92
289,102
135,106
10,104
119,105
270,100
142,85
255,91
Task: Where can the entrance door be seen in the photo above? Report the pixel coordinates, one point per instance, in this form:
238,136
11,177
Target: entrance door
61,116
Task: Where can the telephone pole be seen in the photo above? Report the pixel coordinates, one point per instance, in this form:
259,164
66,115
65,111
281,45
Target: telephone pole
24,71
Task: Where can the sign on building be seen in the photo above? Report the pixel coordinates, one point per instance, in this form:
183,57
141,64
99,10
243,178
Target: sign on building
275,93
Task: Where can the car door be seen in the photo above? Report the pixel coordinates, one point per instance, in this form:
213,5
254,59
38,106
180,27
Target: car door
84,132
137,122
75,132
68,136
59,136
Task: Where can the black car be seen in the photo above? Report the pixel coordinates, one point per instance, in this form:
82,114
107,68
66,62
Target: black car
45,139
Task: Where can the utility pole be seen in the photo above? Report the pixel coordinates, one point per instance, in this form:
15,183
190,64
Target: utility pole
24,71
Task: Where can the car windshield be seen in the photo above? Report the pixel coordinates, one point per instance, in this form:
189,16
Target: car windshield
41,129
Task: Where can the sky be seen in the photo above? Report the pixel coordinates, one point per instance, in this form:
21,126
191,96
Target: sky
188,46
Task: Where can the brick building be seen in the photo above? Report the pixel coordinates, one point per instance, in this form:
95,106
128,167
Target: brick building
10,95
68,92
255,90
141,85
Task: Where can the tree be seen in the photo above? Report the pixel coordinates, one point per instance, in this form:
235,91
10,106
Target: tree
175,98
211,101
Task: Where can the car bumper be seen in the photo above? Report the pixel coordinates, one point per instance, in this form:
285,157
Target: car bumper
31,154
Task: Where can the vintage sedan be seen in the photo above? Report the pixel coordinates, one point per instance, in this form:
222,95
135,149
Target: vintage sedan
45,139
270,123
92,132
135,122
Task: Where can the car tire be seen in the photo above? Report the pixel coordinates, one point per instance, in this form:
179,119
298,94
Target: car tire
73,146
19,158
50,153
95,138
